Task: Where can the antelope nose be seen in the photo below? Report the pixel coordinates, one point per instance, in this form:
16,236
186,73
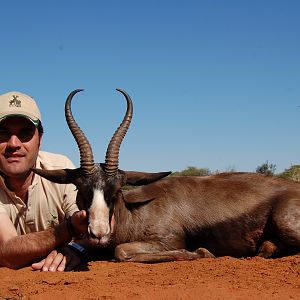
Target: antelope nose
98,232
92,235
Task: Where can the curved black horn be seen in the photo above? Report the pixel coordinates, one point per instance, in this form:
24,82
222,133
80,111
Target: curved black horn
87,164
112,153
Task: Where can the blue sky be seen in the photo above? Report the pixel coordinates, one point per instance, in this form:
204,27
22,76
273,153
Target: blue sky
215,84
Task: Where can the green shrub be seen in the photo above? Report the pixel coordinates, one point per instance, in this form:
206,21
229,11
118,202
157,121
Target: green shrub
192,171
267,169
292,173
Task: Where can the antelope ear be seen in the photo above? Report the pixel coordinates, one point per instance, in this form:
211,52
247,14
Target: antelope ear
59,176
142,178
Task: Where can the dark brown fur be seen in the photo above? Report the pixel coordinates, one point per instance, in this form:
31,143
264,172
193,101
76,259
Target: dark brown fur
235,214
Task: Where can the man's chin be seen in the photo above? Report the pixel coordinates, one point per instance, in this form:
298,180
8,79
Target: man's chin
16,172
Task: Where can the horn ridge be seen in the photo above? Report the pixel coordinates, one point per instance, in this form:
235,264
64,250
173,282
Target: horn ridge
113,149
87,164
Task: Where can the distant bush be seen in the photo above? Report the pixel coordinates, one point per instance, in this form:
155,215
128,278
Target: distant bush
192,171
292,173
267,169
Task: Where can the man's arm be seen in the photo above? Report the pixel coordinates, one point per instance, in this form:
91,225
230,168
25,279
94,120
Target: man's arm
19,251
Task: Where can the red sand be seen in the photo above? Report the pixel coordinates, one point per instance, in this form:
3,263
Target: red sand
221,278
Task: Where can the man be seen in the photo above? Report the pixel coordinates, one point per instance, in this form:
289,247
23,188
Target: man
37,218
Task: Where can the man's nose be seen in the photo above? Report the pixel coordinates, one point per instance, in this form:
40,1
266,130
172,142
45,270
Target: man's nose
14,141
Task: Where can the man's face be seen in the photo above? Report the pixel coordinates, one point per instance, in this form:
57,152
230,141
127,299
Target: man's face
19,146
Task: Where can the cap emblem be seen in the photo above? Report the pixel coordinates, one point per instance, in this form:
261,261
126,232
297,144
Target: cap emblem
15,101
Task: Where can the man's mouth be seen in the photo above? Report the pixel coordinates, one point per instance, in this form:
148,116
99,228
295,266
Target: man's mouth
13,157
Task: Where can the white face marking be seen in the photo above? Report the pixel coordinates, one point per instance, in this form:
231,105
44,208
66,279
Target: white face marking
99,215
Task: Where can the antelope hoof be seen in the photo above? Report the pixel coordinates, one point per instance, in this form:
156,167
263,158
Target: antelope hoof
204,253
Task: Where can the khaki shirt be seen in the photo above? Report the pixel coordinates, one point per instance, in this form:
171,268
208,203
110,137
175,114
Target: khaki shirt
48,203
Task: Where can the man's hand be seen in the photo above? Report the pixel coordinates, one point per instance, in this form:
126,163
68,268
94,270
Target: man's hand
79,221
66,260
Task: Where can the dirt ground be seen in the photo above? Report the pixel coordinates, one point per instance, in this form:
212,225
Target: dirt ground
220,278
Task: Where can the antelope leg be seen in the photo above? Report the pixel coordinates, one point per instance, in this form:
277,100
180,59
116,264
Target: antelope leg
151,253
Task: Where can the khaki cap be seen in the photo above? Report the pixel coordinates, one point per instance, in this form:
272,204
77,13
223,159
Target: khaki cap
19,104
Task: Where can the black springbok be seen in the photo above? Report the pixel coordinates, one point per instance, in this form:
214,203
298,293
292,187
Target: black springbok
180,218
